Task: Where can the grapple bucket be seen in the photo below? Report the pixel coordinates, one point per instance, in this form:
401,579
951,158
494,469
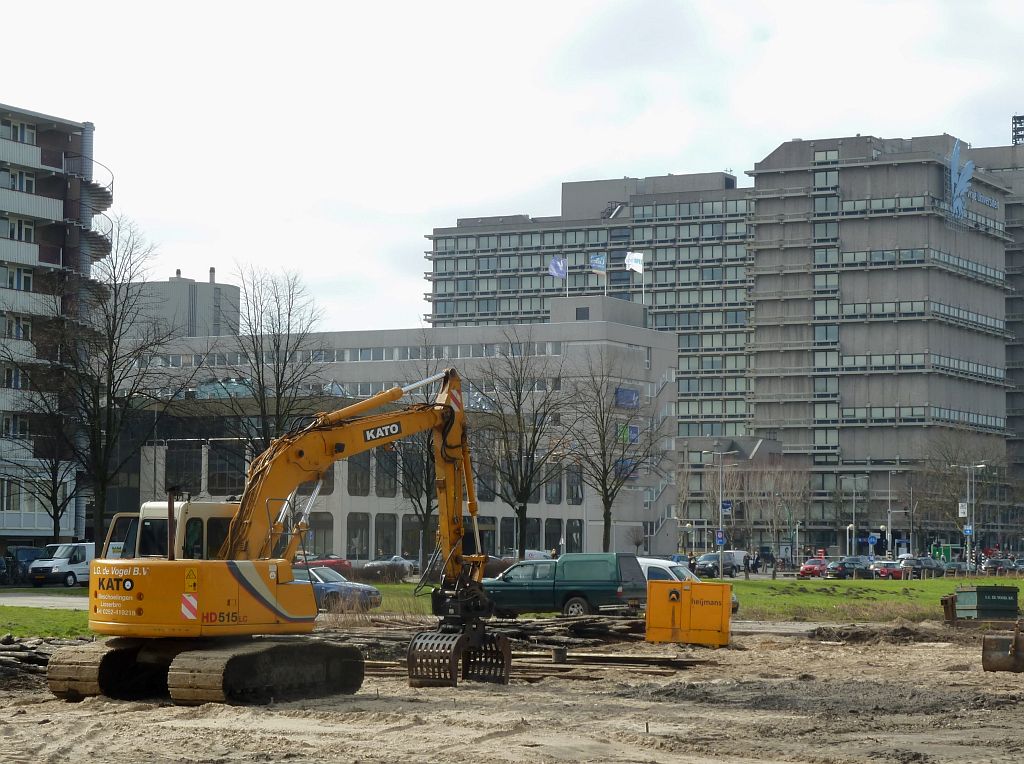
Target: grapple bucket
1003,653
434,658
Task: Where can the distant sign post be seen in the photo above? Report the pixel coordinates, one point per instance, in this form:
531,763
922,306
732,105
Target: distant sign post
719,537
968,530
962,509
727,506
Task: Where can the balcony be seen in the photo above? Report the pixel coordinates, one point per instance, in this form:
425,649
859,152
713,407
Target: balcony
21,154
29,303
15,400
19,252
31,205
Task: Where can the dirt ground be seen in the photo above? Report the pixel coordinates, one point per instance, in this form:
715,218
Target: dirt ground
903,693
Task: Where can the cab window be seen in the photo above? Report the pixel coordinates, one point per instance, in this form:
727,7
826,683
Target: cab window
658,574
216,532
519,573
153,538
544,571
193,539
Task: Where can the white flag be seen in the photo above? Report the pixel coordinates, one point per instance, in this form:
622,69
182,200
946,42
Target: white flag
635,261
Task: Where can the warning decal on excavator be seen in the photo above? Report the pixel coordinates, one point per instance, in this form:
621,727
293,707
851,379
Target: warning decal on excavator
189,607
456,399
191,580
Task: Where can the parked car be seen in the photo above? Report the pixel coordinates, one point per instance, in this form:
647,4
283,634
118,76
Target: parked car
1018,564
335,593
19,558
666,570
731,561
956,569
390,567
815,566
921,567
888,569
852,567
575,584
996,566
5,576
333,561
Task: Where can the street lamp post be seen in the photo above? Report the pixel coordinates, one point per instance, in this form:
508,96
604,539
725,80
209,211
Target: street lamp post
889,548
971,544
721,518
854,518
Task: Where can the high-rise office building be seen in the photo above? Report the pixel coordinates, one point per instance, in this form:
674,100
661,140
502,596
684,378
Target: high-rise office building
850,307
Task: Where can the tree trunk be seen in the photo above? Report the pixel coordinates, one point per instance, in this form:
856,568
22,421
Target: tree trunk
521,515
606,540
56,525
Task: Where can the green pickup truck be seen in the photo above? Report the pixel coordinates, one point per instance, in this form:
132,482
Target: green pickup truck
575,584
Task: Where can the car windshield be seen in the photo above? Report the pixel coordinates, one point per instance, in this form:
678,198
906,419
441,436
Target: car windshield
301,574
709,557
681,573
329,575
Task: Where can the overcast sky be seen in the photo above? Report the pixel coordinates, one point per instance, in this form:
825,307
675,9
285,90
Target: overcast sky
328,138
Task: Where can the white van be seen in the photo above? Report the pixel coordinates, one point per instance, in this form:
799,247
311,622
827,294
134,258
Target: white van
68,565
656,569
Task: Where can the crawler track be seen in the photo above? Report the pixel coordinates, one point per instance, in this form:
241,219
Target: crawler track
206,671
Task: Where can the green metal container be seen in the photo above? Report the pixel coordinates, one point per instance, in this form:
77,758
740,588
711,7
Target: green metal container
987,603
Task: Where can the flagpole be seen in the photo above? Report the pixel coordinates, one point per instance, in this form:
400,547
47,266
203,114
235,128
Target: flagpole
566,275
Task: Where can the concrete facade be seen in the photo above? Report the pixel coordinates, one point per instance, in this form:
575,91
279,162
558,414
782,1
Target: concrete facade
193,308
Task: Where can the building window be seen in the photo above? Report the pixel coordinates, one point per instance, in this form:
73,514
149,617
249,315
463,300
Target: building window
358,533
507,536
552,533
573,535
553,485
386,484
385,532
582,314
574,484
359,474
226,468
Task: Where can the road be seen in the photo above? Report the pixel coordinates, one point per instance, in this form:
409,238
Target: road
55,601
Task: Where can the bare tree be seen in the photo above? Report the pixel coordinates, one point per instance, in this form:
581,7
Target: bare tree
636,537
94,364
520,429
616,435
276,362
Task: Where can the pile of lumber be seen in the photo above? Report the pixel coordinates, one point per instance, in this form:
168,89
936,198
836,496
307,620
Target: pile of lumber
581,631
29,656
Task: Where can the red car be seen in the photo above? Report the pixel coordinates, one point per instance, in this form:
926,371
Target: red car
332,561
815,566
888,569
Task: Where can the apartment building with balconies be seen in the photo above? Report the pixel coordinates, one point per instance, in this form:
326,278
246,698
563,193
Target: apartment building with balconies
52,197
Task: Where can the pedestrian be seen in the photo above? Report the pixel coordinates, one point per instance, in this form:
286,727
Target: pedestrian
692,561
746,563
756,564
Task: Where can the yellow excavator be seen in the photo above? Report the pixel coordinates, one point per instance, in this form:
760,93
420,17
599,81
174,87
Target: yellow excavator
200,601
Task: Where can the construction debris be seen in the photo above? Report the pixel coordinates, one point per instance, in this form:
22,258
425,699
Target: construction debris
29,656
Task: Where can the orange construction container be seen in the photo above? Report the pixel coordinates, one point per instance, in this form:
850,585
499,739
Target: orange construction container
687,612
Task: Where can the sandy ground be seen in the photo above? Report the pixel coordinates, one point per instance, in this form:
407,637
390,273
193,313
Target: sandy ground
902,694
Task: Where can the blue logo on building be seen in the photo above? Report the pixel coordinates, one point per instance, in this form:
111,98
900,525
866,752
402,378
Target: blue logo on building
959,182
